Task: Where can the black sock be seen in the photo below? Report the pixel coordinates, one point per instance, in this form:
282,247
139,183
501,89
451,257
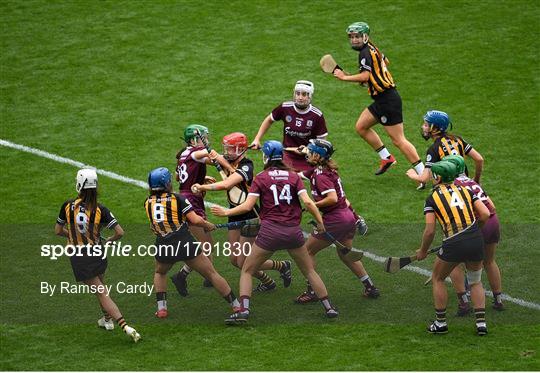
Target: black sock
309,288
463,299
161,295
264,278
497,297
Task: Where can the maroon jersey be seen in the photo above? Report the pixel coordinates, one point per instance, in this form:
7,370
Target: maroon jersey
476,189
278,192
299,125
324,181
190,171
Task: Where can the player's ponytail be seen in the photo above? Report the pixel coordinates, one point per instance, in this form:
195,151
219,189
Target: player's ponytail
89,198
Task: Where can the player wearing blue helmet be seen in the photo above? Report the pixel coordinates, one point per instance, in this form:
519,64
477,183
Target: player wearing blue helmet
169,214
435,126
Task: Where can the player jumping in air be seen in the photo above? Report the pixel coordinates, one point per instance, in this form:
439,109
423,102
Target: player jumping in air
460,213
168,214
386,108
235,146
81,221
327,191
279,190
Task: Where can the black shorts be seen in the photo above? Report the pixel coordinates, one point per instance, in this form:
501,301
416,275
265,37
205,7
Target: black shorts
84,267
387,108
177,246
465,247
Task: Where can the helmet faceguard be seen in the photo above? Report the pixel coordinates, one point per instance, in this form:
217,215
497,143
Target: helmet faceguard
358,34
86,179
435,123
234,146
323,148
303,94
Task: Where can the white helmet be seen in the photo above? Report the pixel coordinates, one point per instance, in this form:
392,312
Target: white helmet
86,179
303,86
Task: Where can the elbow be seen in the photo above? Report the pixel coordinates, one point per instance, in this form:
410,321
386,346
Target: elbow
119,231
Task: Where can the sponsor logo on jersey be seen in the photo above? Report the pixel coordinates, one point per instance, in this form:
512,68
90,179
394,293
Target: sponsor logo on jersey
245,168
296,133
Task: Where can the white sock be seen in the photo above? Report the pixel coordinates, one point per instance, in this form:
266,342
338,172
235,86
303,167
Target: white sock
161,304
384,153
419,168
235,303
186,268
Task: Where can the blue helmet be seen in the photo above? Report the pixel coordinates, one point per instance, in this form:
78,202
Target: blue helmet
159,178
273,150
439,119
322,147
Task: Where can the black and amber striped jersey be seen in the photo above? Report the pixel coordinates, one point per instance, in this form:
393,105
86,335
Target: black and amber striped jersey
83,225
446,145
372,60
166,212
453,206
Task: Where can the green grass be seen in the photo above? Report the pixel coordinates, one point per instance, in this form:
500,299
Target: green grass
113,83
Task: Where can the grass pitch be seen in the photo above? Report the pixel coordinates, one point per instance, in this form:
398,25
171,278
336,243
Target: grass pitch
112,84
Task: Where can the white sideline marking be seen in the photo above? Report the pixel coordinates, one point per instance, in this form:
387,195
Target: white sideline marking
144,185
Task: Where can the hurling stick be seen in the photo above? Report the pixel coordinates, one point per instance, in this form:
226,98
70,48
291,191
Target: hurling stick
238,224
351,253
394,264
328,64
235,194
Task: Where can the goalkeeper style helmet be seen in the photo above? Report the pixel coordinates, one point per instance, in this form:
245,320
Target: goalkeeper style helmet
272,151
159,179
86,179
234,145
360,29
303,93
458,161
190,132
322,147
447,171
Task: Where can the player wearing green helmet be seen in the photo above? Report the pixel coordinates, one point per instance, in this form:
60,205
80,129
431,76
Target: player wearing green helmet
386,108
435,126
491,233
190,170
459,212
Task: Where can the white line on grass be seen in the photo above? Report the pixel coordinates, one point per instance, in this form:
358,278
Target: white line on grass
144,185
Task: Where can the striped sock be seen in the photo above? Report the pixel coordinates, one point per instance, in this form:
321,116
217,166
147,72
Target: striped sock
264,278
244,302
122,323
106,315
161,298
309,288
441,316
277,264
480,314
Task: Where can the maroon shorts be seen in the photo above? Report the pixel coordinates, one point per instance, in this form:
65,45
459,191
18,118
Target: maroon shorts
273,236
197,202
491,230
344,230
297,164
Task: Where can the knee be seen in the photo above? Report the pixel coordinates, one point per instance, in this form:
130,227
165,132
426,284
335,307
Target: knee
361,129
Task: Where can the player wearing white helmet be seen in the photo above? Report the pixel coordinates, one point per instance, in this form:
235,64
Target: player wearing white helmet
81,221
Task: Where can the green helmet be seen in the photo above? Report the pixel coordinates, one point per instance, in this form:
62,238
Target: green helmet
446,170
359,28
458,161
191,132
